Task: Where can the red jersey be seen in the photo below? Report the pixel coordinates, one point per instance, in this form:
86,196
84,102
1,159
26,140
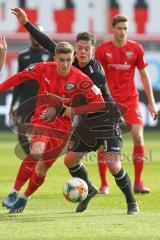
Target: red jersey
119,65
51,83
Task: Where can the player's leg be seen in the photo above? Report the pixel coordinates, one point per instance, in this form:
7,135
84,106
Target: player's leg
36,179
123,181
103,170
121,177
24,173
46,157
134,117
46,153
138,158
76,168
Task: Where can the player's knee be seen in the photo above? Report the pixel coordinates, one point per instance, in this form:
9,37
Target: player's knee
37,151
114,166
36,154
72,160
138,139
115,169
68,162
41,169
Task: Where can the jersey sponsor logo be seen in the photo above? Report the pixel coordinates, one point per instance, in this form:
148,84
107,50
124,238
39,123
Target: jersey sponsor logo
31,67
85,85
124,66
129,54
70,87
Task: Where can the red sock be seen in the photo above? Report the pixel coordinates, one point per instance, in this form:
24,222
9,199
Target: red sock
138,161
102,166
34,183
25,172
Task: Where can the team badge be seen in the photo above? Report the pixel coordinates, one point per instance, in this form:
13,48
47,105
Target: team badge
129,54
70,87
31,67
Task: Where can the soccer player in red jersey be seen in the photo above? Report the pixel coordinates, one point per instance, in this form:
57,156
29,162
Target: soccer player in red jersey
58,78
119,58
3,48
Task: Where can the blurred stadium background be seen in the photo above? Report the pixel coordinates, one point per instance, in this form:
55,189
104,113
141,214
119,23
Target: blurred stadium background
63,19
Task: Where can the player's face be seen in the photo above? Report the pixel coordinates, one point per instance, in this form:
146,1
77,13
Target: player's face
84,52
120,31
64,63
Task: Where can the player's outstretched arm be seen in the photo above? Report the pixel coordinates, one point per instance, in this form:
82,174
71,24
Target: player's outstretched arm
42,38
27,74
3,50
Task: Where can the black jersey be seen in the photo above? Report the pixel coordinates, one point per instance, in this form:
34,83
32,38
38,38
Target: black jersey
95,72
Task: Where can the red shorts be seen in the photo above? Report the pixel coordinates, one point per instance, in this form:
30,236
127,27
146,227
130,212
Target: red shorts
133,114
54,139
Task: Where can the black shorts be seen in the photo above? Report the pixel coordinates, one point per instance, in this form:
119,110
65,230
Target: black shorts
87,136
110,145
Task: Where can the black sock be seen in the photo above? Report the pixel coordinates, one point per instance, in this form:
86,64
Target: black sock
80,171
123,181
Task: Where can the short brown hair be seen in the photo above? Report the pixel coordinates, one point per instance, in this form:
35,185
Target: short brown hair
86,36
118,18
64,47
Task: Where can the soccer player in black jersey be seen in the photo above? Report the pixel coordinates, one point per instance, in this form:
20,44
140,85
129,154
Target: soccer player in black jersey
91,131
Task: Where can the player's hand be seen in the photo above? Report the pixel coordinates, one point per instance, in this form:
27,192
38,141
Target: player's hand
3,44
20,14
153,110
69,112
49,114
124,126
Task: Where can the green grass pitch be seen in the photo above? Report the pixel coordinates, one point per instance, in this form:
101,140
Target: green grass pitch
49,216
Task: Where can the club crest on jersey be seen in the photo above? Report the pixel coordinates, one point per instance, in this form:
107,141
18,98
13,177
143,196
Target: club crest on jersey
70,87
129,54
31,67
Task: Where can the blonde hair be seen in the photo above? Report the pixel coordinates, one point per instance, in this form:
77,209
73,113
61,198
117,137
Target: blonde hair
64,47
